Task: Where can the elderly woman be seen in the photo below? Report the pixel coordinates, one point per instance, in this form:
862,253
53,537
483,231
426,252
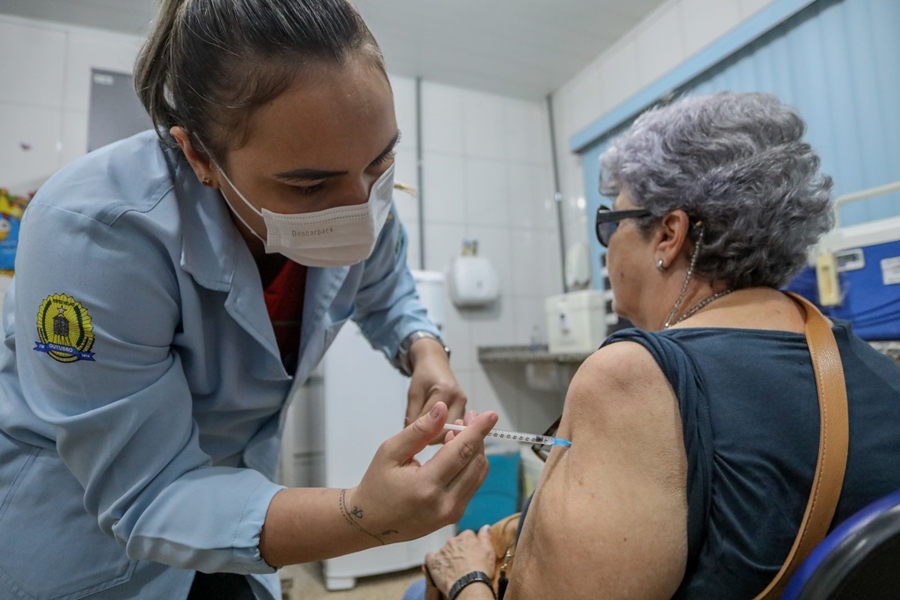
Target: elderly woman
695,435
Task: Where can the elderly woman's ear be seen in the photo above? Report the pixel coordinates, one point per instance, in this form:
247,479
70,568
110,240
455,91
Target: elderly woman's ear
672,239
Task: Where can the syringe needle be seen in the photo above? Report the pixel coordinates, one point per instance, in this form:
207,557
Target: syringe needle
525,438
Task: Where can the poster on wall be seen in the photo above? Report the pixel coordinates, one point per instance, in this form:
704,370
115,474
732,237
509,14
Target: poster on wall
11,210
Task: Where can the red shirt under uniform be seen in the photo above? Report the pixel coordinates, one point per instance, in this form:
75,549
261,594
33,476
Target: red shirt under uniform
284,300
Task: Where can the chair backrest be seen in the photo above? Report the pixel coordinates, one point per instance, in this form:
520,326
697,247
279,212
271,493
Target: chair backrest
859,559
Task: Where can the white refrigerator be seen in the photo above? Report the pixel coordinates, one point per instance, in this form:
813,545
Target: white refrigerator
355,401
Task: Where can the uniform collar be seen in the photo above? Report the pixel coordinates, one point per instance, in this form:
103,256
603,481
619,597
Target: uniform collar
217,257
210,241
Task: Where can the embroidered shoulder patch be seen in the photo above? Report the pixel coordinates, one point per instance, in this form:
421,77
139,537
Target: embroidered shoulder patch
64,329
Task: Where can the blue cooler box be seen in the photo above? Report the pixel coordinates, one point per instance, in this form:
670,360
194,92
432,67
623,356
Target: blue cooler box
498,496
868,267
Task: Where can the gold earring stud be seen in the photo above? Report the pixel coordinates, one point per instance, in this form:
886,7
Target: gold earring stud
206,181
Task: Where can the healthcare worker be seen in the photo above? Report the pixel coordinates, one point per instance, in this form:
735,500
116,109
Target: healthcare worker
171,292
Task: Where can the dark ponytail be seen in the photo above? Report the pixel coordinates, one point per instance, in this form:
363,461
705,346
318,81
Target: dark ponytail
154,66
209,64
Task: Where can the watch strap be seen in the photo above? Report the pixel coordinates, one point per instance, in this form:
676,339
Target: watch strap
403,362
470,578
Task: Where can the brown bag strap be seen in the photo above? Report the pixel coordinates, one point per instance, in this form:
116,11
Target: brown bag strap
833,440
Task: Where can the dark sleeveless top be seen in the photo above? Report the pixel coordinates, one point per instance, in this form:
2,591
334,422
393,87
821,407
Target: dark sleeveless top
750,414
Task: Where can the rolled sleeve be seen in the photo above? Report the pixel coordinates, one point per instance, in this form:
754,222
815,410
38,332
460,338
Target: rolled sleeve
196,515
245,546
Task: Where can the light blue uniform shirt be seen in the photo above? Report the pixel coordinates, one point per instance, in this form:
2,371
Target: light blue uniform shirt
142,393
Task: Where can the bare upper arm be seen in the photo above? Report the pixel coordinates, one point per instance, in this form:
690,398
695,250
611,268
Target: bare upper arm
609,518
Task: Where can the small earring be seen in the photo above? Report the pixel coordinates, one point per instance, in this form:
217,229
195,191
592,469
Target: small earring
206,181
660,266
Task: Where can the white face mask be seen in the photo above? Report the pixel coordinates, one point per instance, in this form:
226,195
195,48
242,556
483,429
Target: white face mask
336,237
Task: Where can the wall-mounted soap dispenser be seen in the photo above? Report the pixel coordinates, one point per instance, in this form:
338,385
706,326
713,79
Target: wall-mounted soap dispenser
472,281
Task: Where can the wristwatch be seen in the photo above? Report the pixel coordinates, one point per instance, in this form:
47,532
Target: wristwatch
467,579
406,344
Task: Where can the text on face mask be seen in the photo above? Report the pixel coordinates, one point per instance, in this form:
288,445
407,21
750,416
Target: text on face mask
312,232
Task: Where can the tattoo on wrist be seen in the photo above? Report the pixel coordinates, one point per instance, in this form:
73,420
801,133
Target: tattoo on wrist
358,513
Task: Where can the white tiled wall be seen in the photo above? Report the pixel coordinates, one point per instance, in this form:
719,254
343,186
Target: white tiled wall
45,94
487,176
673,33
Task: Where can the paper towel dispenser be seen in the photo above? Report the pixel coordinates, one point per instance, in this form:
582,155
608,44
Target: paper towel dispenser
472,282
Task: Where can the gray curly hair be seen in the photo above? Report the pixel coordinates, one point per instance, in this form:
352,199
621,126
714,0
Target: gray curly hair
737,162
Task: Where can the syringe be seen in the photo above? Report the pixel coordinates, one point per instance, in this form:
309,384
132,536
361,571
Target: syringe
525,438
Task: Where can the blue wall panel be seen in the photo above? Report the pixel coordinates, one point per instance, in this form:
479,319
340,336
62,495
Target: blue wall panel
838,62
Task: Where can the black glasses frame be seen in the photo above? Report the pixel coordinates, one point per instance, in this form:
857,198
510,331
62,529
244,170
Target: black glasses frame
607,221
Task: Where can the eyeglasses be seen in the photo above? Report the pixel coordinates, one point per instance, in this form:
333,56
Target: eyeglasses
542,450
608,221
